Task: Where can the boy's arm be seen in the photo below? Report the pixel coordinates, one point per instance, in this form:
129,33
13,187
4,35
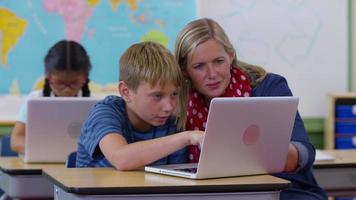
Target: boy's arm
125,156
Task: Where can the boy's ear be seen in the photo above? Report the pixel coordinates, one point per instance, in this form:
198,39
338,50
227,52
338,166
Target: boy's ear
124,91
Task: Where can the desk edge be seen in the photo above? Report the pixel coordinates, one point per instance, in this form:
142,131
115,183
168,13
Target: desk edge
168,189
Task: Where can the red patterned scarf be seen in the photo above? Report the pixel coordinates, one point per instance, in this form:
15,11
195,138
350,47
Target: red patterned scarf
197,113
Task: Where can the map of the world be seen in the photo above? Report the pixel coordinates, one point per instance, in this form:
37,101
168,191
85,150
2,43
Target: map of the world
104,27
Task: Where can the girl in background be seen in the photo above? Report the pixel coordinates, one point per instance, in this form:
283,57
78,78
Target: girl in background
67,67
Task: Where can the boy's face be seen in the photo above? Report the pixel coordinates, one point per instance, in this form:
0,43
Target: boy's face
151,106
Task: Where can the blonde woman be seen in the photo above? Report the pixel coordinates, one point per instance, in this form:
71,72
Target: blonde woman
209,63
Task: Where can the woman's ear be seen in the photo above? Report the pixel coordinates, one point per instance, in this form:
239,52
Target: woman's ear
124,91
185,74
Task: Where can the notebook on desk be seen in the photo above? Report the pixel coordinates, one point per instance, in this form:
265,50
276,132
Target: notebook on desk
321,156
243,136
53,127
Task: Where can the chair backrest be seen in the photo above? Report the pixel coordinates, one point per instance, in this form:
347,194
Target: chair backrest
5,149
71,160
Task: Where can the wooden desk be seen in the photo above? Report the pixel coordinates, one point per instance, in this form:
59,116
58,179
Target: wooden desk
20,180
89,183
337,177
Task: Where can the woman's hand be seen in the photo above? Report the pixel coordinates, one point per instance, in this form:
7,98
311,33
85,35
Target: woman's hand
292,159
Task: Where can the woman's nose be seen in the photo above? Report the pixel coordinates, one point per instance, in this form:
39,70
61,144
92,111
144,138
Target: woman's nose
211,71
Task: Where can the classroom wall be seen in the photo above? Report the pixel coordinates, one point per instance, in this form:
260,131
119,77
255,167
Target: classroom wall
352,48
314,125
305,41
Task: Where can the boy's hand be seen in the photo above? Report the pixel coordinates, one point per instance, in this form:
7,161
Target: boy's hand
196,137
292,159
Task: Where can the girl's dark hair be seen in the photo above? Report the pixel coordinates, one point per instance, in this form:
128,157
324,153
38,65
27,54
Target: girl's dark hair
67,56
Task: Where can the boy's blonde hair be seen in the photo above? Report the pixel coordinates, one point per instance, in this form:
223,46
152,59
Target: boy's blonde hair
152,63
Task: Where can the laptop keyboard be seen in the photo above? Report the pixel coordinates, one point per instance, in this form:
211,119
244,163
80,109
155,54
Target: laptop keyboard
189,170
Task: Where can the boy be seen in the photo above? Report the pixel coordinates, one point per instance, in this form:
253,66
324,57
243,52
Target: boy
137,129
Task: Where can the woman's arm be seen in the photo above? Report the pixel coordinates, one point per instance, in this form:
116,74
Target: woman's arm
292,159
302,151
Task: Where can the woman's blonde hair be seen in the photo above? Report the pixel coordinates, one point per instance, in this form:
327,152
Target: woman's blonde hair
201,30
152,63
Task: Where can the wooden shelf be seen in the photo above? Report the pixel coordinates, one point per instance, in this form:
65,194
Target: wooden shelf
329,136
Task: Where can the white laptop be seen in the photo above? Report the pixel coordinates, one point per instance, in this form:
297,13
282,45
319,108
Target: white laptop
53,127
243,136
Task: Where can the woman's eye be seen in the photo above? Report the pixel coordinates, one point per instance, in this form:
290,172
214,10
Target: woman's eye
197,66
219,61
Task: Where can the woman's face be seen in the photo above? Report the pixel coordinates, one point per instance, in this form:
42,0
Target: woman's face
66,84
208,68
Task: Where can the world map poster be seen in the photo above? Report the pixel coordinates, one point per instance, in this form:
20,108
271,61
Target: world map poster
106,28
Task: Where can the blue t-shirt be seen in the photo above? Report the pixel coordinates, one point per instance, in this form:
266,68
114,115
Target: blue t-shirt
110,116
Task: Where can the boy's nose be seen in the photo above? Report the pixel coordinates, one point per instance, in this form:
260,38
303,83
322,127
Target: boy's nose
168,105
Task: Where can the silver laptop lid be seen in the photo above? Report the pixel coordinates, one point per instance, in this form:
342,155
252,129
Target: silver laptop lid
241,131
53,126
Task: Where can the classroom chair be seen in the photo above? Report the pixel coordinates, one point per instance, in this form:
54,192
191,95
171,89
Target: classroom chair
71,160
5,149
5,197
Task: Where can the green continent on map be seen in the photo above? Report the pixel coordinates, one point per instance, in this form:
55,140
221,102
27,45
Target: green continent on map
156,36
11,29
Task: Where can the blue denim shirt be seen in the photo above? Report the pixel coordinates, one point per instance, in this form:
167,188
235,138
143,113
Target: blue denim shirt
303,184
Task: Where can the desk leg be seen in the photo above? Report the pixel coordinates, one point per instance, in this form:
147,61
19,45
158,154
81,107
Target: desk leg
26,186
269,195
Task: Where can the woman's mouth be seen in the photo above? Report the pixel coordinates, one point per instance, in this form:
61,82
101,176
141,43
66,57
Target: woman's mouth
213,86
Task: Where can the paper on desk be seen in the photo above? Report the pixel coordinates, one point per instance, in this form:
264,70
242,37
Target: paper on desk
320,156
9,107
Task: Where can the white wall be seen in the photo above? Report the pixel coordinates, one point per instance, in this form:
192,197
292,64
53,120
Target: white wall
305,41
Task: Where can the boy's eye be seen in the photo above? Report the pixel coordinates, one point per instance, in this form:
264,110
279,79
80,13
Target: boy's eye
156,96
